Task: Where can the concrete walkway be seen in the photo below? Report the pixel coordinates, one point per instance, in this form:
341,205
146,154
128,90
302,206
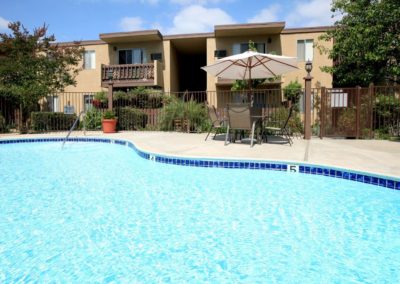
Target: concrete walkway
375,156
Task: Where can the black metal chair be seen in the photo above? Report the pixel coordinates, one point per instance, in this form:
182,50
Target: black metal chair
282,127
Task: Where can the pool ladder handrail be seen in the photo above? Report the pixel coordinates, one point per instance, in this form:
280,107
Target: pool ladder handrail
73,127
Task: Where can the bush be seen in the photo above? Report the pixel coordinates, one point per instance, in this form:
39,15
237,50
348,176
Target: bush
292,92
109,114
279,117
346,123
177,110
130,118
101,97
93,119
387,114
3,125
48,121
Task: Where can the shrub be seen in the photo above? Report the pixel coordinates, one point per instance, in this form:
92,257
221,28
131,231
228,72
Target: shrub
101,97
387,114
292,92
48,121
279,117
176,109
146,97
93,119
130,118
346,123
109,114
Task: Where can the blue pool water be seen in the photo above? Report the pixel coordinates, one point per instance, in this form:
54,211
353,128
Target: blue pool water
99,213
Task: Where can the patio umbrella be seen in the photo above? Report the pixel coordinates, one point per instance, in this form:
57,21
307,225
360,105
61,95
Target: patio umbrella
251,65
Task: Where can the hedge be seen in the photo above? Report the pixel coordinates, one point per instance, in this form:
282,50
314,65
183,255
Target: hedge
130,118
48,121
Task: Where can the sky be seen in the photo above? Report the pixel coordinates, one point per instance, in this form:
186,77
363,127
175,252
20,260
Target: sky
71,20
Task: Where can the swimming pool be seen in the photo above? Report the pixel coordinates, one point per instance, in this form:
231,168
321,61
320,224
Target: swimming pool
98,212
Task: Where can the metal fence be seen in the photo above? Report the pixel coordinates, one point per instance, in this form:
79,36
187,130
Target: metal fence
372,112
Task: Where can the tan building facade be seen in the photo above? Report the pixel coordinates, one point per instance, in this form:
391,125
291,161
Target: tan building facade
172,62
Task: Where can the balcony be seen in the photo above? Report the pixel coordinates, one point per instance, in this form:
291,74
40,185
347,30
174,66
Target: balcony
132,75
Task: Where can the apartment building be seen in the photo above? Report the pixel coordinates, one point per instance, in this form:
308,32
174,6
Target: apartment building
172,62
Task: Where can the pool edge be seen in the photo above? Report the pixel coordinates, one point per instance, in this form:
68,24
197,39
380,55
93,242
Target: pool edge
380,180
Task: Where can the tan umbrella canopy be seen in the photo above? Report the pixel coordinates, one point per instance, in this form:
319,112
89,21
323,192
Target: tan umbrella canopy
251,65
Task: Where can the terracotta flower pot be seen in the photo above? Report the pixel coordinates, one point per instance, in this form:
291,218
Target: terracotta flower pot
109,125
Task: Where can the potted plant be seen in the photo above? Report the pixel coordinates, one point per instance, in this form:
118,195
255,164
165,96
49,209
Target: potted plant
109,122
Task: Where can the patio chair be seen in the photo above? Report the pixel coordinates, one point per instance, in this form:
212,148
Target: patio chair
282,128
240,118
216,121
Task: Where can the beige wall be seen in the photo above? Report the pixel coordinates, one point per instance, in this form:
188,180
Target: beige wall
148,47
173,69
289,48
211,80
286,44
227,43
89,80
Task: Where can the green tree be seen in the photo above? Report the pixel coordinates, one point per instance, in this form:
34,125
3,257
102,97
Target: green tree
292,92
31,66
366,42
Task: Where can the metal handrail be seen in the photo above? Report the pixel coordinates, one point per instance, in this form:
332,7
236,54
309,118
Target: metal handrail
73,127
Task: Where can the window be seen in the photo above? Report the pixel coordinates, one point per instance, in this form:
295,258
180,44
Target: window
88,102
305,50
52,102
132,56
242,47
89,59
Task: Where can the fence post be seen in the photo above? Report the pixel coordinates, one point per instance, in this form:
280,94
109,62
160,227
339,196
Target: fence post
371,89
307,107
322,113
358,110
110,96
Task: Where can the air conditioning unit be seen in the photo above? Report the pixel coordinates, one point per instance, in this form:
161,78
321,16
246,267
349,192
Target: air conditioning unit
220,53
156,56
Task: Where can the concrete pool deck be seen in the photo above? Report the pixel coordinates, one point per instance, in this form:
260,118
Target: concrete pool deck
374,156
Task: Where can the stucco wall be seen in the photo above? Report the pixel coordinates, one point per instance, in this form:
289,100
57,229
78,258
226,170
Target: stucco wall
173,69
149,48
289,48
286,44
211,80
226,43
89,80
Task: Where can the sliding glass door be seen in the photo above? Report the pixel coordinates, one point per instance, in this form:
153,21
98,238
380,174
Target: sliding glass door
131,56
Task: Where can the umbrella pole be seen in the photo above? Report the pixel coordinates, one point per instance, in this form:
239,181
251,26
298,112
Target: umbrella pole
250,95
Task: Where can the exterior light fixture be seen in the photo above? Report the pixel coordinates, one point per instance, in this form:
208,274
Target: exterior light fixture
308,66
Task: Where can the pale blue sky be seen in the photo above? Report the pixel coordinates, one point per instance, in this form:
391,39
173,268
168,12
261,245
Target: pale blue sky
86,19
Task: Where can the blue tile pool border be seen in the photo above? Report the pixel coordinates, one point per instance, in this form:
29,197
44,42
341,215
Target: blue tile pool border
333,172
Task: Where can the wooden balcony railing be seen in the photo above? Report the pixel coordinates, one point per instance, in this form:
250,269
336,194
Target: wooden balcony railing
128,73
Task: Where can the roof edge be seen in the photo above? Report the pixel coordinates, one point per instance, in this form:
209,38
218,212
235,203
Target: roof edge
80,42
132,33
194,35
307,30
251,25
